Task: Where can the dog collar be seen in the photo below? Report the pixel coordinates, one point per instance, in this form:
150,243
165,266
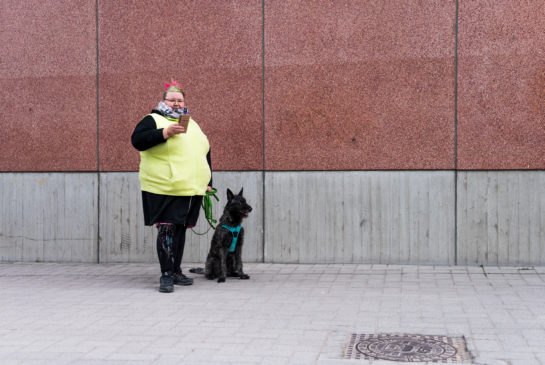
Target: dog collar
234,231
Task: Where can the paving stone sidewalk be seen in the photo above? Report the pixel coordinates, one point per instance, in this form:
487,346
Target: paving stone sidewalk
285,314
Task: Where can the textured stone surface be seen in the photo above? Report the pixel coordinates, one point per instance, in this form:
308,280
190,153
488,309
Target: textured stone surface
359,85
48,83
285,314
213,48
348,85
501,107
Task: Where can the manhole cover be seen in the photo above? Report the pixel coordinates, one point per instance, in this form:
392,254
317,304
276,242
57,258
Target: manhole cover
408,348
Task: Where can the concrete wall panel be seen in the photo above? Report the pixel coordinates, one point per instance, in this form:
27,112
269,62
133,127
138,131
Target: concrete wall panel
124,238
359,217
48,217
501,218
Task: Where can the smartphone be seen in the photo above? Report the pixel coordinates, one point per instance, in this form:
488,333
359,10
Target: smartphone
184,120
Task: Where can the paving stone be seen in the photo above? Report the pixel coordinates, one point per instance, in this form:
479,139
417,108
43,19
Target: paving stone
291,314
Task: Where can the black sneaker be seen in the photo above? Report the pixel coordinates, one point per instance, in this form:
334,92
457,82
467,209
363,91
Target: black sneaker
181,279
166,284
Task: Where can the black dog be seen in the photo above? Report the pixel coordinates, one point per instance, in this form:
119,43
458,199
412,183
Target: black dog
225,255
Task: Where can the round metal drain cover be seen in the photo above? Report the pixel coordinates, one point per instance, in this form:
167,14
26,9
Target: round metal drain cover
408,348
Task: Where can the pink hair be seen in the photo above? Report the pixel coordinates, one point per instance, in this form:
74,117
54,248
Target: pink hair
173,83
173,86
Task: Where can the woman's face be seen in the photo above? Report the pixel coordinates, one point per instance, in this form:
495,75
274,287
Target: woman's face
174,99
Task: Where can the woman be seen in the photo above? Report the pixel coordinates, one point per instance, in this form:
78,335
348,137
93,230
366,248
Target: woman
175,172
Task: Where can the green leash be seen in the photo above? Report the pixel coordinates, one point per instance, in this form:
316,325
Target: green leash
207,207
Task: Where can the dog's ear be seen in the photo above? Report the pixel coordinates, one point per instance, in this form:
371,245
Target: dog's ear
240,193
230,195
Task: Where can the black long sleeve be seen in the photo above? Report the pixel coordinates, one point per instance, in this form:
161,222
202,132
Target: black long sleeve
146,135
209,160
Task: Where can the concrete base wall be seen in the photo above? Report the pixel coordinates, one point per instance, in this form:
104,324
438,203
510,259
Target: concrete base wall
48,217
124,238
386,217
360,217
501,218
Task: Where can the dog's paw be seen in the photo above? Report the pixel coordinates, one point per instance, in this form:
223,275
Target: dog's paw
221,280
244,277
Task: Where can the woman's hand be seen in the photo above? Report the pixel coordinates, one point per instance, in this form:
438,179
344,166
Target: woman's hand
173,130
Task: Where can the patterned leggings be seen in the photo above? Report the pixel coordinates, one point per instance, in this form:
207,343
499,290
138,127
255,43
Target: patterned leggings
170,246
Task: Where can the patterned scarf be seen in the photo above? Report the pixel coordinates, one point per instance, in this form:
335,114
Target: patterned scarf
169,112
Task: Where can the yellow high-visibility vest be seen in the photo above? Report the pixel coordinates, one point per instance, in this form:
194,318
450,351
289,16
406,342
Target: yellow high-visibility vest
177,166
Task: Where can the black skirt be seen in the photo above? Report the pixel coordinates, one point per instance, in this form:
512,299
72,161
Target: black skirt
171,209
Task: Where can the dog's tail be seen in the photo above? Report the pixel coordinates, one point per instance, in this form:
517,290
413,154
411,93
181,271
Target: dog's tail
197,270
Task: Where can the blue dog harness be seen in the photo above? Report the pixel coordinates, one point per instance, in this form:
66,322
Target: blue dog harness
234,231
